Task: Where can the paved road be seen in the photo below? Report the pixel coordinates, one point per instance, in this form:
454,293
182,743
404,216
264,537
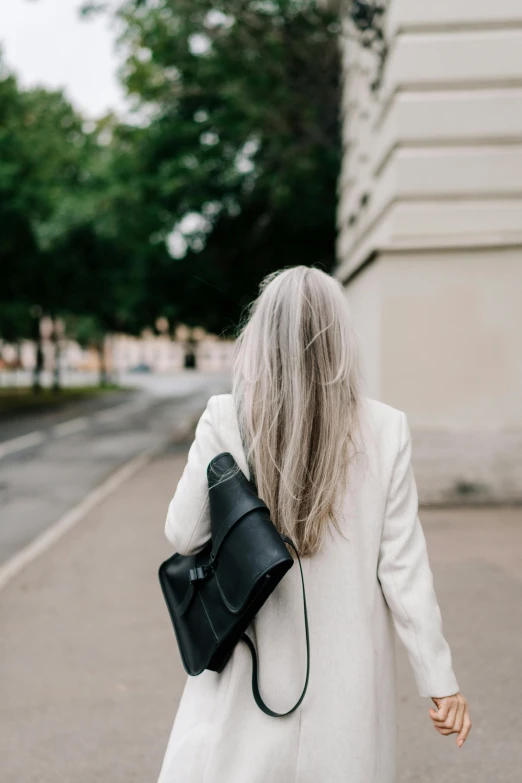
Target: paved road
49,463
90,676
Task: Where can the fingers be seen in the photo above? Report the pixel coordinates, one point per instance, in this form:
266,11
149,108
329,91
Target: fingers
459,717
463,733
452,717
449,721
440,715
443,708
444,731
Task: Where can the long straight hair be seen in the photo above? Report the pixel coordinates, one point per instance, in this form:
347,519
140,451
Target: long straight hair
296,391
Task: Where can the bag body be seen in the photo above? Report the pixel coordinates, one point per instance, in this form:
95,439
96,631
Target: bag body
213,595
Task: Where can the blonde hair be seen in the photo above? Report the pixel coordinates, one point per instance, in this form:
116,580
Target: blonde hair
296,391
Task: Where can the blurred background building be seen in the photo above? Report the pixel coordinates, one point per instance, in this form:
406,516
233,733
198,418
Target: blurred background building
124,353
430,233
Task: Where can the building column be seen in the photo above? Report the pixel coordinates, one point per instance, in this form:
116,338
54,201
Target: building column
430,237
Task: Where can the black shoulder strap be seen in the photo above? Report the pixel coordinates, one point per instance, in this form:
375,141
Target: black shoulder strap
255,683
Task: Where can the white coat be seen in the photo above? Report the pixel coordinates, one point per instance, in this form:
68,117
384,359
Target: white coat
357,591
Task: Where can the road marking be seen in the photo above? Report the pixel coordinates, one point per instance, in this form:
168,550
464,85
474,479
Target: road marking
71,426
45,540
112,414
22,442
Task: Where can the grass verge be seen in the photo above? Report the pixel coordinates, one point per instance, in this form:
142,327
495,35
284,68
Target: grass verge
24,400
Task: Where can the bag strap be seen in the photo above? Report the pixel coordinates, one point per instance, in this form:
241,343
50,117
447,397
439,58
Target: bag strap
255,681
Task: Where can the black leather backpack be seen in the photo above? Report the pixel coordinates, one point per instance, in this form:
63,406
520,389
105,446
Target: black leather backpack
213,595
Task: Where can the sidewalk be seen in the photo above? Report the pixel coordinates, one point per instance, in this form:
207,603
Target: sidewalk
90,676
88,661
476,557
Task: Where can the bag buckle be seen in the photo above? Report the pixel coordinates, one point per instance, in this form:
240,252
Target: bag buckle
198,574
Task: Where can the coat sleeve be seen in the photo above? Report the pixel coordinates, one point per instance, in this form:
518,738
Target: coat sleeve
407,581
187,526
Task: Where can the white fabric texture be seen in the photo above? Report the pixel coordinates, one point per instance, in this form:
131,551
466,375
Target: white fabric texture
362,585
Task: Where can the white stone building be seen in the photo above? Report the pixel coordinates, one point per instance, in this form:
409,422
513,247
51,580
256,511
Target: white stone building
430,236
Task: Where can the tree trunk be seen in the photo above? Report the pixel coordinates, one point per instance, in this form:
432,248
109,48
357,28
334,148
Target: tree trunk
103,366
56,367
39,360
19,365
190,355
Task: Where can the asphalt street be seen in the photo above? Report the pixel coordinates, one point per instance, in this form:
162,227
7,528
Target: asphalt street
48,463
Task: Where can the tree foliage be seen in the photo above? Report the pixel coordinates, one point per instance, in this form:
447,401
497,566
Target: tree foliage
66,242
243,101
45,157
227,172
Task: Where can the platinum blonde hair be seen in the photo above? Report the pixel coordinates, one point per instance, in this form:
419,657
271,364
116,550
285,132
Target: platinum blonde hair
296,390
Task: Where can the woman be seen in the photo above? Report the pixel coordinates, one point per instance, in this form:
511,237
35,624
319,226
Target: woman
334,469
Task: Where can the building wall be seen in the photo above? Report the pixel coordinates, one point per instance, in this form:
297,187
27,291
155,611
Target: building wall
430,236
440,336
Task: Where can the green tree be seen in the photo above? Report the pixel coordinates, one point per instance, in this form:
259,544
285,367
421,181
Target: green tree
42,157
44,163
72,240
228,172
241,102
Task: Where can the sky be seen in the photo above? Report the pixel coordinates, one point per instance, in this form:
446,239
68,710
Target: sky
45,42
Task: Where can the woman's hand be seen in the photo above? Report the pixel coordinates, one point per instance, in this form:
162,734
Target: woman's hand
452,716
